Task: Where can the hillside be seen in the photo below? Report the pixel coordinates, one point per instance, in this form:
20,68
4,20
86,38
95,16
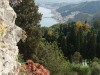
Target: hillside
88,8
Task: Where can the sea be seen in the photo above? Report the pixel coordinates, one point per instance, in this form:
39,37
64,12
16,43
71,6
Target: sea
47,19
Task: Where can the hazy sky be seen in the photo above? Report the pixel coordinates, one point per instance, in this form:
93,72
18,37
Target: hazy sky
79,0
68,1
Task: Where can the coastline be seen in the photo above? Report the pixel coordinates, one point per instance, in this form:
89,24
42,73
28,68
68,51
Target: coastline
56,15
48,17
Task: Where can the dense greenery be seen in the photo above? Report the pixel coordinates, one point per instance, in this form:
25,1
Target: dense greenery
62,48
80,44
35,47
28,19
75,36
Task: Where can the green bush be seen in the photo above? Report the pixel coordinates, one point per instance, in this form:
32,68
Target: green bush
85,70
75,67
95,69
78,69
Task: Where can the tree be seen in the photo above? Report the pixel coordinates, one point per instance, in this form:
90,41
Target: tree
51,57
28,19
98,44
27,14
96,24
91,44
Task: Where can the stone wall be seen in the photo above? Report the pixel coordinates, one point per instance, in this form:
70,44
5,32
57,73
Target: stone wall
10,34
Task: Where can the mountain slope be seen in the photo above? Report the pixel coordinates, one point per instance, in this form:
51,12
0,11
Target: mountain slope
88,8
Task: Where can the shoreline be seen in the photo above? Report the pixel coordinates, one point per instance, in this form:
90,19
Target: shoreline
47,17
56,15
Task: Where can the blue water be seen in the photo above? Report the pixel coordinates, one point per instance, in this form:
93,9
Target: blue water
47,19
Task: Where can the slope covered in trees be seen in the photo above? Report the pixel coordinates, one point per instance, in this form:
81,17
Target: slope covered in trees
35,47
85,8
75,36
60,48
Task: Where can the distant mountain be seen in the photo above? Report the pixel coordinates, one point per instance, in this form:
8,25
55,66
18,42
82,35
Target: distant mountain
86,10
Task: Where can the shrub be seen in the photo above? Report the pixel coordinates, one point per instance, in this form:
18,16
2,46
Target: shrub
76,57
75,67
95,69
78,69
85,70
31,68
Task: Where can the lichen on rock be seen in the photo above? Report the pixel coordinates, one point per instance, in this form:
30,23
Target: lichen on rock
2,30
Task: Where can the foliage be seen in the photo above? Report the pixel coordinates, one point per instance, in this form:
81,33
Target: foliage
31,68
52,58
75,36
31,44
76,57
52,46
28,19
85,70
79,69
96,24
95,68
78,24
27,14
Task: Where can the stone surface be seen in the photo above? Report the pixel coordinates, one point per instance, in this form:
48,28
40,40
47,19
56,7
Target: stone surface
10,34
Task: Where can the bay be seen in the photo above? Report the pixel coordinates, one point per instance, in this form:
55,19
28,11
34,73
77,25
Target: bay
47,19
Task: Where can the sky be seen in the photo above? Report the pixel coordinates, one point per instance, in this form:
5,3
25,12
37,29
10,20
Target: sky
68,1
78,0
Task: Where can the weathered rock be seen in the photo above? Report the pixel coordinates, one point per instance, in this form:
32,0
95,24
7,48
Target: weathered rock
10,34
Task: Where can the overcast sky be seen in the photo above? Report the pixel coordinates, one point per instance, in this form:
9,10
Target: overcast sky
79,0
68,1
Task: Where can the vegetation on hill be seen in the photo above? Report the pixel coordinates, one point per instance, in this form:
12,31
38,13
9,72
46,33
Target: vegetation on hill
64,49
85,8
75,36
35,47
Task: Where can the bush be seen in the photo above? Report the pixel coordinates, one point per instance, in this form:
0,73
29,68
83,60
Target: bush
52,58
78,69
76,57
95,69
85,70
75,67
31,68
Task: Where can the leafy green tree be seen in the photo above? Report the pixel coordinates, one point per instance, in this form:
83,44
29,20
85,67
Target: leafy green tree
51,57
